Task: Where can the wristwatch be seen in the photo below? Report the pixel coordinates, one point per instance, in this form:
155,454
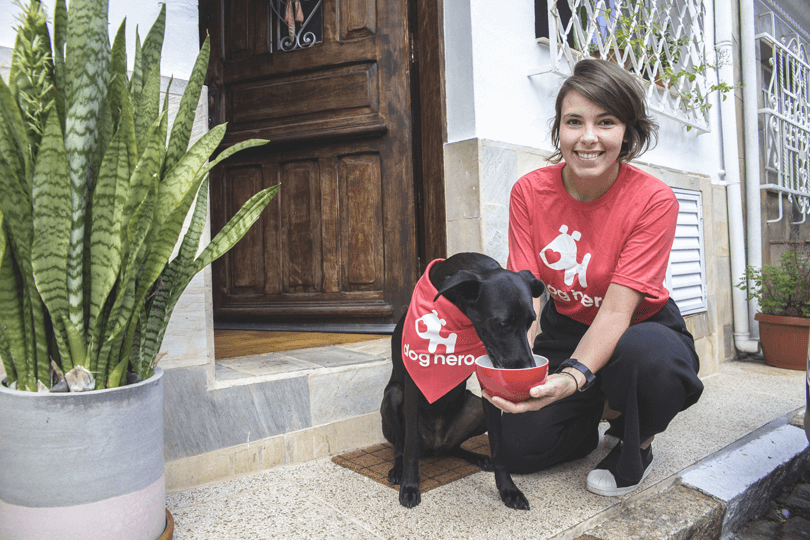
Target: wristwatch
582,368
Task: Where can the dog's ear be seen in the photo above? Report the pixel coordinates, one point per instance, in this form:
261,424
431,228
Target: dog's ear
463,283
534,284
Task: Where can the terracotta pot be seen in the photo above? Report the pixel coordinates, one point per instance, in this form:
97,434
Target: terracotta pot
784,340
84,466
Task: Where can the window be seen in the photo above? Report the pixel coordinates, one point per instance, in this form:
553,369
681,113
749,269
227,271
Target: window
661,41
785,114
686,274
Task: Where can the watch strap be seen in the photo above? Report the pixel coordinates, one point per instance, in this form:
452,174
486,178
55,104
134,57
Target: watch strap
590,378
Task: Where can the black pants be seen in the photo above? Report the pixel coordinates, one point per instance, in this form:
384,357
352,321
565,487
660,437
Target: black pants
651,377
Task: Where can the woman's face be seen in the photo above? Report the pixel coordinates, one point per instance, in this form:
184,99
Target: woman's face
590,138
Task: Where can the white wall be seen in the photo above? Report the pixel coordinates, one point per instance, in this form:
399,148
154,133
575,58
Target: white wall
511,107
180,44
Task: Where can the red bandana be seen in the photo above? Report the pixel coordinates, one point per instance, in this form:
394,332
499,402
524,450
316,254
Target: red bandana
439,343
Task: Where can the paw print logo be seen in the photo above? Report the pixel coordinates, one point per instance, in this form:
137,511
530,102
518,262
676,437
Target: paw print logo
565,248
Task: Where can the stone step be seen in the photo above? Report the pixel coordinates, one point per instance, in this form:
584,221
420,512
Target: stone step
260,412
719,495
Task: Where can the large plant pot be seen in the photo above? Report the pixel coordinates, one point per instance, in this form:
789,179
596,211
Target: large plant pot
784,340
83,465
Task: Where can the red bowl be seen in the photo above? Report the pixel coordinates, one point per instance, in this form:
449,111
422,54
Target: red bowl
511,384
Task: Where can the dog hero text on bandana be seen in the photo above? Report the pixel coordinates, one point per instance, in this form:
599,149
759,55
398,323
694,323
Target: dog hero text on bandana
439,343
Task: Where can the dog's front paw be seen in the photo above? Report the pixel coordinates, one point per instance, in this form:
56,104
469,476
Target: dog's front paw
485,463
514,498
409,496
395,474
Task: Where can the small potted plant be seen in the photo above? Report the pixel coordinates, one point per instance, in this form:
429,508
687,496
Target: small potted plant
783,294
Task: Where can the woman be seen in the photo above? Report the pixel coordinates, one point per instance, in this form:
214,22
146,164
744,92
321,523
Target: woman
598,231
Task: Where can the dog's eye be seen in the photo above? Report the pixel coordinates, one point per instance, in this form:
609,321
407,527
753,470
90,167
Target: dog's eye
504,323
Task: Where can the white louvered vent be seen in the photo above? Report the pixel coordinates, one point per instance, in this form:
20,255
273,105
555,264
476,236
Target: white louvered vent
686,273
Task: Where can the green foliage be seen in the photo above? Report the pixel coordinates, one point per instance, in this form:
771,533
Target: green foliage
782,289
95,194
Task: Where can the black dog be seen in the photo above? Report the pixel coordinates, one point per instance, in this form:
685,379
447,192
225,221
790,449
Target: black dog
498,302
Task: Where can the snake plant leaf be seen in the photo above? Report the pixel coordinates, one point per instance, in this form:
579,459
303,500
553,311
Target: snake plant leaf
110,347
136,80
191,240
181,177
6,358
51,225
144,172
118,69
183,122
13,140
109,199
147,108
235,229
104,132
13,294
60,18
16,207
228,152
78,350
148,55
31,73
37,339
166,95
28,380
88,76
118,374
153,43
11,325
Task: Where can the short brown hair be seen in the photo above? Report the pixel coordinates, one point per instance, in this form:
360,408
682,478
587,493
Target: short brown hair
618,92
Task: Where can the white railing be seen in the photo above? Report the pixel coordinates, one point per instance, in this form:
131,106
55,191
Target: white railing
661,41
786,115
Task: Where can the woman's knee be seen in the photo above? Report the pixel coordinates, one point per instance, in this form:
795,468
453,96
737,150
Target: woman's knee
649,348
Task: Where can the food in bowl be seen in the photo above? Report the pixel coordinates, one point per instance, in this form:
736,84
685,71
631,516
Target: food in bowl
511,384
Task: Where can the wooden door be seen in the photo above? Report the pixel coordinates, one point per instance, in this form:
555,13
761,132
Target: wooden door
338,244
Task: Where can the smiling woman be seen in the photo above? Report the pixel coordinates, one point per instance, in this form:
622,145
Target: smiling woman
597,231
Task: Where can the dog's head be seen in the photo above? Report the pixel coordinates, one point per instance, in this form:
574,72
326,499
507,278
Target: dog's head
499,304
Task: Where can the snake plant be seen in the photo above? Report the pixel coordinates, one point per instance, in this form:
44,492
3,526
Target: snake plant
94,192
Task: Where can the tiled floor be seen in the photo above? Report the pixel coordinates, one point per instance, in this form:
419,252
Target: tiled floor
323,500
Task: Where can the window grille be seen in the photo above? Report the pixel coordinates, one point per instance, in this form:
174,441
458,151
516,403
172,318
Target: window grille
686,273
661,41
299,23
786,116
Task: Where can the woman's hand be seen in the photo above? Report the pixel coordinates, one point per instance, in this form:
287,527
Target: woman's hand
557,386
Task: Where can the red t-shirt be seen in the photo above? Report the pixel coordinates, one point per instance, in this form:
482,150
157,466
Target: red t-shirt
578,248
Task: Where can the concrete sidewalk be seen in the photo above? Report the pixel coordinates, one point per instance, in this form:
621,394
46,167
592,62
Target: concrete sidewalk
715,464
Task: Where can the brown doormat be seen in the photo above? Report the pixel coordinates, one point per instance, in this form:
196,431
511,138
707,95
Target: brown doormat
434,471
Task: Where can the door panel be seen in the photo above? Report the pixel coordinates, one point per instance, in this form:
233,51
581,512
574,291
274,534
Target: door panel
361,222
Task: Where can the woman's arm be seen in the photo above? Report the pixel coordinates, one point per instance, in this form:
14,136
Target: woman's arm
594,350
